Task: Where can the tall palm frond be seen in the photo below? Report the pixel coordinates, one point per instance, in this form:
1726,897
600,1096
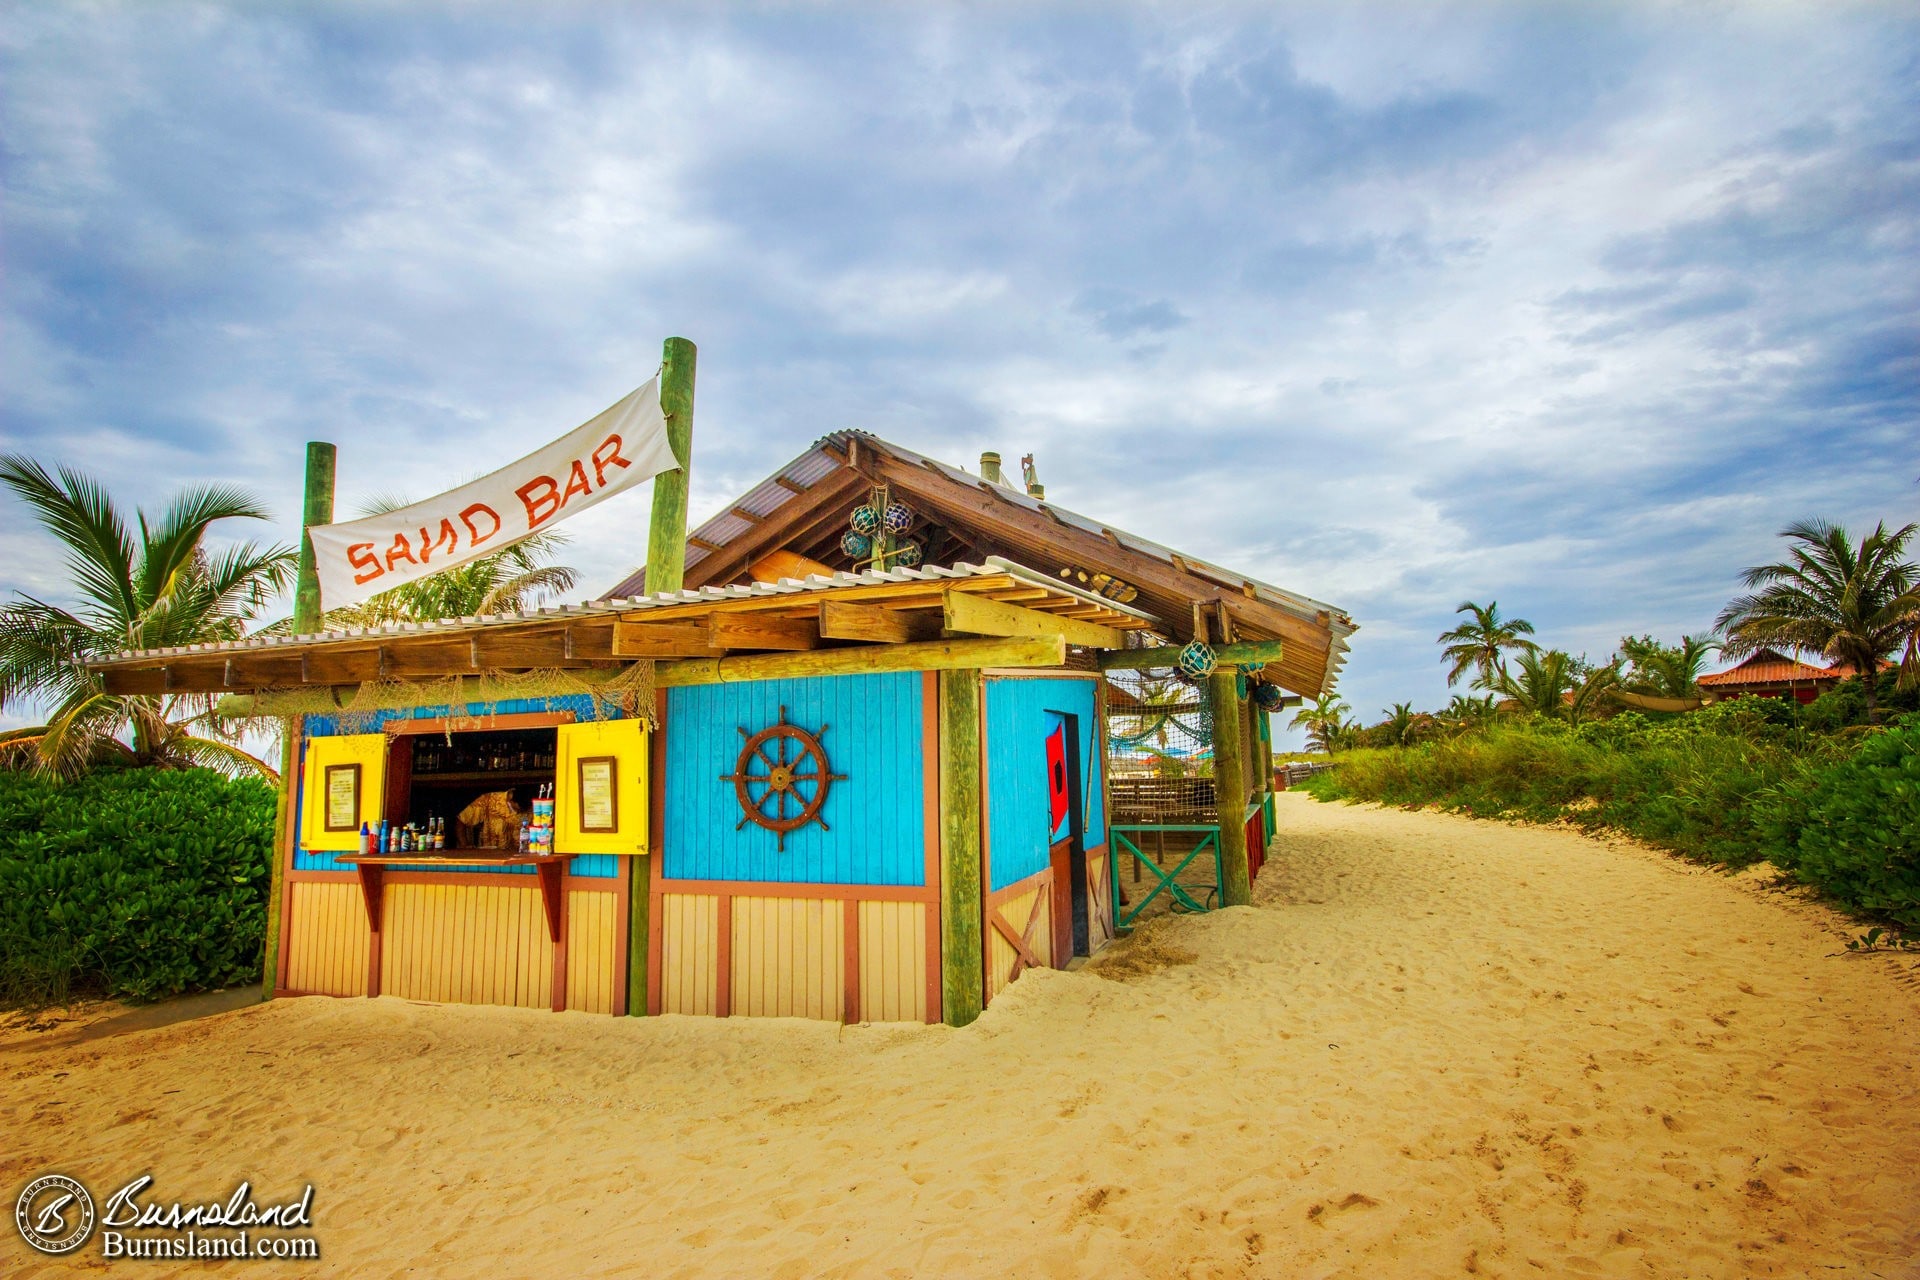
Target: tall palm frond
1323,721
157,590
1539,681
1665,671
1481,643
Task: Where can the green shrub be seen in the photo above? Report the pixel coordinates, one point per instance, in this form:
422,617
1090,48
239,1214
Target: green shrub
1684,783
1859,828
135,884
1731,783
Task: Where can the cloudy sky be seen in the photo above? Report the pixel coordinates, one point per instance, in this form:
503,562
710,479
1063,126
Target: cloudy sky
1569,306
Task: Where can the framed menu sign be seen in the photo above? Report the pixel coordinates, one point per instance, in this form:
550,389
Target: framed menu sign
343,797
599,799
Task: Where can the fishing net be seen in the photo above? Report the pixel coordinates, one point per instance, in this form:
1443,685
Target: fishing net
1159,748
475,699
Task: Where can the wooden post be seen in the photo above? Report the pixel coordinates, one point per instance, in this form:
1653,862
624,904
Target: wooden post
317,509
962,967
666,571
1230,787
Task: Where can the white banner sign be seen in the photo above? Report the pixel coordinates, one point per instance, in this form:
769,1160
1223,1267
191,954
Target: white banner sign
614,451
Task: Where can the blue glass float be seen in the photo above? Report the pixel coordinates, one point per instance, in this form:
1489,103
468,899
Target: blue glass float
1268,697
898,517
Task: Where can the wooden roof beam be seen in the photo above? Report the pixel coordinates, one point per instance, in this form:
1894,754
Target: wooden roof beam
876,624
981,616
129,681
665,639
759,631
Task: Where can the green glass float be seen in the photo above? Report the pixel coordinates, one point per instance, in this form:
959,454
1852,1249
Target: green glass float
1196,661
865,520
857,545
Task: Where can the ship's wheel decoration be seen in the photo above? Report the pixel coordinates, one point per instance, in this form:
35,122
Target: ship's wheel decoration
781,778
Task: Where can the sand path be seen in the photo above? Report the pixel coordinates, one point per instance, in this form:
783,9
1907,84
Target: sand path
1434,1047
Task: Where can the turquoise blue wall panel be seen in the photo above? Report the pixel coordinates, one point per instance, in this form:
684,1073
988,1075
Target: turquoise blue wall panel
1021,712
875,817
598,866
327,726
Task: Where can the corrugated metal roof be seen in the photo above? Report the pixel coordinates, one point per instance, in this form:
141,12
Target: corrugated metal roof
817,464
994,566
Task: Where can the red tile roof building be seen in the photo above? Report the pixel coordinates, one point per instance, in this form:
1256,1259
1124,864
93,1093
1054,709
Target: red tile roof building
1771,674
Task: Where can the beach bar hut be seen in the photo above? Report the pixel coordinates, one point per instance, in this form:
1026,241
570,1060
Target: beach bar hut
800,785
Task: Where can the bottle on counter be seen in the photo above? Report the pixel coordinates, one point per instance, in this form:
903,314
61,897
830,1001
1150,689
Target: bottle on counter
366,839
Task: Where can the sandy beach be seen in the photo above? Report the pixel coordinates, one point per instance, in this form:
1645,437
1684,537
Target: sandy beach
1433,1047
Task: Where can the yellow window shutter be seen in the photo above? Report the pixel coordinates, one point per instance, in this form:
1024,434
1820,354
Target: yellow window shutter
600,791
344,784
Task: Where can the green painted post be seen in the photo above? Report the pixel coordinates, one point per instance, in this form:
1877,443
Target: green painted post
1230,787
666,571
667,535
317,509
962,966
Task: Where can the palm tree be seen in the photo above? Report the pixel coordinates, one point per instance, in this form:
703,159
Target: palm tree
163,589
1402,725
1462,713
1666,671
1557,685
1323,721
1854,604
1540,681
1590,685
1480,644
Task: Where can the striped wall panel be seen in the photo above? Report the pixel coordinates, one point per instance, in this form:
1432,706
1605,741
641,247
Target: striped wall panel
467,944
591,922
1017,910
893,961
689,927
327,939
789,958
1099,901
